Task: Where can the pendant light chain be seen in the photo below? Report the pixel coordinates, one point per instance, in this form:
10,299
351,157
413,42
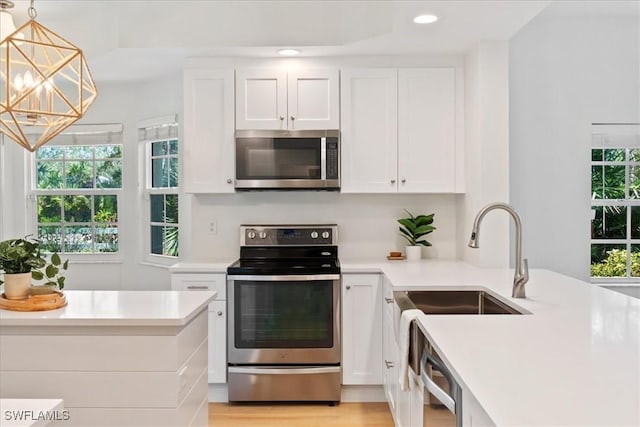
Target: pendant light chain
32,11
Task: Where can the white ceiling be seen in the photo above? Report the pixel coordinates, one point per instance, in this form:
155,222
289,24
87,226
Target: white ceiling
128,40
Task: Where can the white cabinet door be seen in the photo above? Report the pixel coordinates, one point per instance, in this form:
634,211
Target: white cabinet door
472,412
261,99
402,131
208,146
313,99
389,352
218,342
298,100
427,130
361,326
369,107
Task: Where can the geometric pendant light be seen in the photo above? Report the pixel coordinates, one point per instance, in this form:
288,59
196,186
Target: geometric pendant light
45,84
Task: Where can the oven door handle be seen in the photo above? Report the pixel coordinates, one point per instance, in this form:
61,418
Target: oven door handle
279,371
285,278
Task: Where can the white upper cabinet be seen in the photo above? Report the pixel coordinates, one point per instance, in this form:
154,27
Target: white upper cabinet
402,131
369,133
275,99
427,130
208,148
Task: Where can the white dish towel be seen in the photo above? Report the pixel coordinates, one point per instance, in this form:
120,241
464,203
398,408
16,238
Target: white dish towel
403,341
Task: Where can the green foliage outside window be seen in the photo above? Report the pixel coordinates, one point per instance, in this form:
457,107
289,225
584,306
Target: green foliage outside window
71,222
615,264
164,206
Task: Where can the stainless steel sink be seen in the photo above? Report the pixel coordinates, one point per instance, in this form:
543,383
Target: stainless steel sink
464,302
453,302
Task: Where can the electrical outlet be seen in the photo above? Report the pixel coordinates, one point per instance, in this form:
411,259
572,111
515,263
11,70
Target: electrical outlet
213,227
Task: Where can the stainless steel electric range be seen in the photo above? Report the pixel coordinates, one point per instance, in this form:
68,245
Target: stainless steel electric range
284,315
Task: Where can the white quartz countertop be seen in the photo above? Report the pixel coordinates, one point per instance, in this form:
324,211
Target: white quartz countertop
30,412
573,361
202,267
116,308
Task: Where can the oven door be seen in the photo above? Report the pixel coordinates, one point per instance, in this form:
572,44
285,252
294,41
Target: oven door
289,319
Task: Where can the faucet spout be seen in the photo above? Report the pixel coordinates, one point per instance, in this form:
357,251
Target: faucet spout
521,274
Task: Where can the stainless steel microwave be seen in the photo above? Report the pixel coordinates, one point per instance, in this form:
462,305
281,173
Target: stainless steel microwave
287,160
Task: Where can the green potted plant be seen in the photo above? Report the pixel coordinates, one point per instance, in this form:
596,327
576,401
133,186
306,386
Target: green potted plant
414,228
22,260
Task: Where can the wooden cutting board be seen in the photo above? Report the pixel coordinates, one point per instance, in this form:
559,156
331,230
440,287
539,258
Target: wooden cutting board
34,302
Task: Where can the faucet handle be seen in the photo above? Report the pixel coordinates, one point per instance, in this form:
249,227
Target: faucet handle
525,268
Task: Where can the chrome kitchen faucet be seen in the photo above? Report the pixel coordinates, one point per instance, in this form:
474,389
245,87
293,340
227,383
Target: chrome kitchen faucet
521,275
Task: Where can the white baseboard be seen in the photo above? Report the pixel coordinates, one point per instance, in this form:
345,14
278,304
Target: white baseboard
363,393
218,393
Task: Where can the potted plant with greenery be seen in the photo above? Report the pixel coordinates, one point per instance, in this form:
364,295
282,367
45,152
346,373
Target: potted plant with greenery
414,228
22,260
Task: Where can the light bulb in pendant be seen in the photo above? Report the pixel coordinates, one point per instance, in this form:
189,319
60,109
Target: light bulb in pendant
28,80
18,83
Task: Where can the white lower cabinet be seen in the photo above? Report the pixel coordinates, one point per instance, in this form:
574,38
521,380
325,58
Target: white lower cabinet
218,342
217,359
472,413
361,327
399,401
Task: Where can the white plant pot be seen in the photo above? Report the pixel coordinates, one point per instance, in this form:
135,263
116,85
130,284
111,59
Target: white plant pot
413,253
16,286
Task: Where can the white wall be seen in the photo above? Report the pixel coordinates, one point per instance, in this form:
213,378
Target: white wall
367,226
569,67
126,104
487,154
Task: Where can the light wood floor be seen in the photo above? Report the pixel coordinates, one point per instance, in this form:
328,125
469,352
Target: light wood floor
300,415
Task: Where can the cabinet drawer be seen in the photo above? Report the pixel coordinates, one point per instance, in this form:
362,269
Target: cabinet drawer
201,282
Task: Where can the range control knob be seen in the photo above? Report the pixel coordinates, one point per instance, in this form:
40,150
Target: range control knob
314,234
251,234
262,234
325,234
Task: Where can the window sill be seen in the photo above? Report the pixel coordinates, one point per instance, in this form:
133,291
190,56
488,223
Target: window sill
78,260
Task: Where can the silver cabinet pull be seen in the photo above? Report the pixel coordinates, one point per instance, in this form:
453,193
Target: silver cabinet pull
388,300
348,287
229,181
220,313
197,287
292,118
403,180
388,364
393,181
281,118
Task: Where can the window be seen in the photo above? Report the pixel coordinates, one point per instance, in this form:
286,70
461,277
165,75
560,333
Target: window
77,183
161,147
615,202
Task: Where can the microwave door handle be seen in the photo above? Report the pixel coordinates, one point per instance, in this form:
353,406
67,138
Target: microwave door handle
323,158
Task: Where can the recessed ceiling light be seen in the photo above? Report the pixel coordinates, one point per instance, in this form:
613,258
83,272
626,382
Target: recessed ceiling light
288,52
425,19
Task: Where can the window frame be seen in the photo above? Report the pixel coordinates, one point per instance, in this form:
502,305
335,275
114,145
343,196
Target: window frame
146,190
79,135
627,202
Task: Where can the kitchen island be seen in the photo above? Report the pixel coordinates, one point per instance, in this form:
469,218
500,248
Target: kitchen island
573,358
116,358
